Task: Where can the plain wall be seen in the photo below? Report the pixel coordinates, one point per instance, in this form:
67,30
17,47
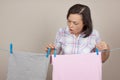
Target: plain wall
31,24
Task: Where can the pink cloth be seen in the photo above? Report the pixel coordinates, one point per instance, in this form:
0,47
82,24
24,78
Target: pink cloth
77,67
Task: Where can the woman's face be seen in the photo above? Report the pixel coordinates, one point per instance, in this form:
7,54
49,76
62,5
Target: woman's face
75,24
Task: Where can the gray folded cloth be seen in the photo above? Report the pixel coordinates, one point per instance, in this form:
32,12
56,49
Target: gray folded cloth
27,66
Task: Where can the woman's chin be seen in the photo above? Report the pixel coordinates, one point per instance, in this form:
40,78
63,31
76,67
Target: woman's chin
71,32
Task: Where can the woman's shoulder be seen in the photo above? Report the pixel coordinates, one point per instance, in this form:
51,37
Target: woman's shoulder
63,30
95,33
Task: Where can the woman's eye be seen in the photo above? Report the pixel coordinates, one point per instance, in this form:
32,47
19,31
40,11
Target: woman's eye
75,23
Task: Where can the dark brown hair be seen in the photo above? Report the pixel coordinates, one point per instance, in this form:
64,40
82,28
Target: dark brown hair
85,12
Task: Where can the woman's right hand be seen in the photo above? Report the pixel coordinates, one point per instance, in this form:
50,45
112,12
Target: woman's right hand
51,46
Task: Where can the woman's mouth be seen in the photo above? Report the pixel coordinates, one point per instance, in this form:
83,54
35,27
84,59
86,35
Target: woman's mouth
71,30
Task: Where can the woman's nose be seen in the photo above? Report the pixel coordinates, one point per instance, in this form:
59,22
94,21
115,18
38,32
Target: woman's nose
70,25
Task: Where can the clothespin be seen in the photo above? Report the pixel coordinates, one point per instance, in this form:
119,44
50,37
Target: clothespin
97,51
11,48
55,52
48,52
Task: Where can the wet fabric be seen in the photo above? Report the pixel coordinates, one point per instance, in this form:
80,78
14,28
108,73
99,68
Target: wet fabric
77,67
27,66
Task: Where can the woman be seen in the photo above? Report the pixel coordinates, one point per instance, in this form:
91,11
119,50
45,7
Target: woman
79,37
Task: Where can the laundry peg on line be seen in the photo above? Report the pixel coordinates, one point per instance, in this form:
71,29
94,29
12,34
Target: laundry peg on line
49,51
55,52
97,51
11,48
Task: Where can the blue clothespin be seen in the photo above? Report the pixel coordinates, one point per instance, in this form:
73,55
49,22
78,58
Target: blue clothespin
48,52
55,52
11,48
97,51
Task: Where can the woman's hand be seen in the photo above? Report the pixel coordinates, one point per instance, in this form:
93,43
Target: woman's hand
51,46
103,46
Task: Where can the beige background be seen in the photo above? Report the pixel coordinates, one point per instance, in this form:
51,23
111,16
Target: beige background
31,24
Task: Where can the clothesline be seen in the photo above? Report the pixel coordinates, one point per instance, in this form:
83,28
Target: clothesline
49,50
115,49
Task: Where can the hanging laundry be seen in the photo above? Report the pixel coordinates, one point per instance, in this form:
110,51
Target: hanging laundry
77,67
27,66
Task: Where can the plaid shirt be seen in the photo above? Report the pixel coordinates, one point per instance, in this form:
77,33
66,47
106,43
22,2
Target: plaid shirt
67,43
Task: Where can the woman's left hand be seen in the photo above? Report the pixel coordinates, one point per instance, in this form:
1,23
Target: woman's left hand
103,46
